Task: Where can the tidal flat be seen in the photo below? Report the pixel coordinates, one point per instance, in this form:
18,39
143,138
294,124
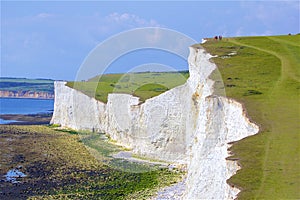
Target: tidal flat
54,164
29,119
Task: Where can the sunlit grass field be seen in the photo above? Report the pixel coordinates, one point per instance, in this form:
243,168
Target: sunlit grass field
264,74
23,84
143,85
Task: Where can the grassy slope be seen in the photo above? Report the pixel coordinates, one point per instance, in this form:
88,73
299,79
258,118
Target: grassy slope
22,84
144,85
265,77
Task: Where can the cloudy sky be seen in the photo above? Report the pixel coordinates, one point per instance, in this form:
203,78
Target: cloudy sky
41,39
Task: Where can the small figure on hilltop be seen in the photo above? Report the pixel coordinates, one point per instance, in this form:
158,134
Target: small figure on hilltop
218,37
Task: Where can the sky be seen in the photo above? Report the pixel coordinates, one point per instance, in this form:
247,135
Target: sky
53,39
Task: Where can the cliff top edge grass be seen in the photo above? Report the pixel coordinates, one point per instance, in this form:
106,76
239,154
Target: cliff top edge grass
144,85
57,165
263,73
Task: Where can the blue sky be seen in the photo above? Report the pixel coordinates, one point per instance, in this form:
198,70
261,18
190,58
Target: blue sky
41,39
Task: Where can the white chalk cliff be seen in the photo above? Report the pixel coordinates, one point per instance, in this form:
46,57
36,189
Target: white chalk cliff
186,125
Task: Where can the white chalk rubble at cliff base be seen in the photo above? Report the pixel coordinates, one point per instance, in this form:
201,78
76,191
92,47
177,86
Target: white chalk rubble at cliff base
185,125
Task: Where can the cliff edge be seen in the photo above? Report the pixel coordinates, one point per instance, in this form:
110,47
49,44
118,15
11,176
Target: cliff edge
187,125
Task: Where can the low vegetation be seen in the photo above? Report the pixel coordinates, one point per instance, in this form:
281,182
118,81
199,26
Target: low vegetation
144,84
64,164
264,74
23,84
30,119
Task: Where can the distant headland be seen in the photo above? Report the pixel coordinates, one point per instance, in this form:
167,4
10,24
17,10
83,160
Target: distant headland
26,88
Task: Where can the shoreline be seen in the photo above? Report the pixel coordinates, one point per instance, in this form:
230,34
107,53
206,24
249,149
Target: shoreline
37,98
42,162
27,119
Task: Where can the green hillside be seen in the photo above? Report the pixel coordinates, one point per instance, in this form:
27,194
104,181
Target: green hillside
23,84
264,74
144,84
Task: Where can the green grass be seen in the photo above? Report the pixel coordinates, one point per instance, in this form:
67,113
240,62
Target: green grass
23,84
265,76
60,165
144,84
22,80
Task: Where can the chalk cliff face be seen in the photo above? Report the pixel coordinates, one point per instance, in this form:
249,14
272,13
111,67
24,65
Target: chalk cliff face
75,110
26,94
186,124
221,121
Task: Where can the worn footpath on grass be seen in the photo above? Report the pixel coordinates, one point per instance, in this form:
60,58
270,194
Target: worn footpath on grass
57,164
264,74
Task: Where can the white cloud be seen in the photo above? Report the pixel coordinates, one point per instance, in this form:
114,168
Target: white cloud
43,15
130,20
155,37
101,27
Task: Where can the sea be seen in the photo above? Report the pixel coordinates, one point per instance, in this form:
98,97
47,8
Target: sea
24,106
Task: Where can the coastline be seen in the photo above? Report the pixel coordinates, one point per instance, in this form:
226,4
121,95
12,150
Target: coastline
203,150
27,119
25,111
23,97
41,162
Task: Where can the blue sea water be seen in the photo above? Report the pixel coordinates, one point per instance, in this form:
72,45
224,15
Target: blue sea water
3,121
24,106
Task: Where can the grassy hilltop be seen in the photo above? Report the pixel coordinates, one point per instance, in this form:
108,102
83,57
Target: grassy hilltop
264,74
143,84
23,84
